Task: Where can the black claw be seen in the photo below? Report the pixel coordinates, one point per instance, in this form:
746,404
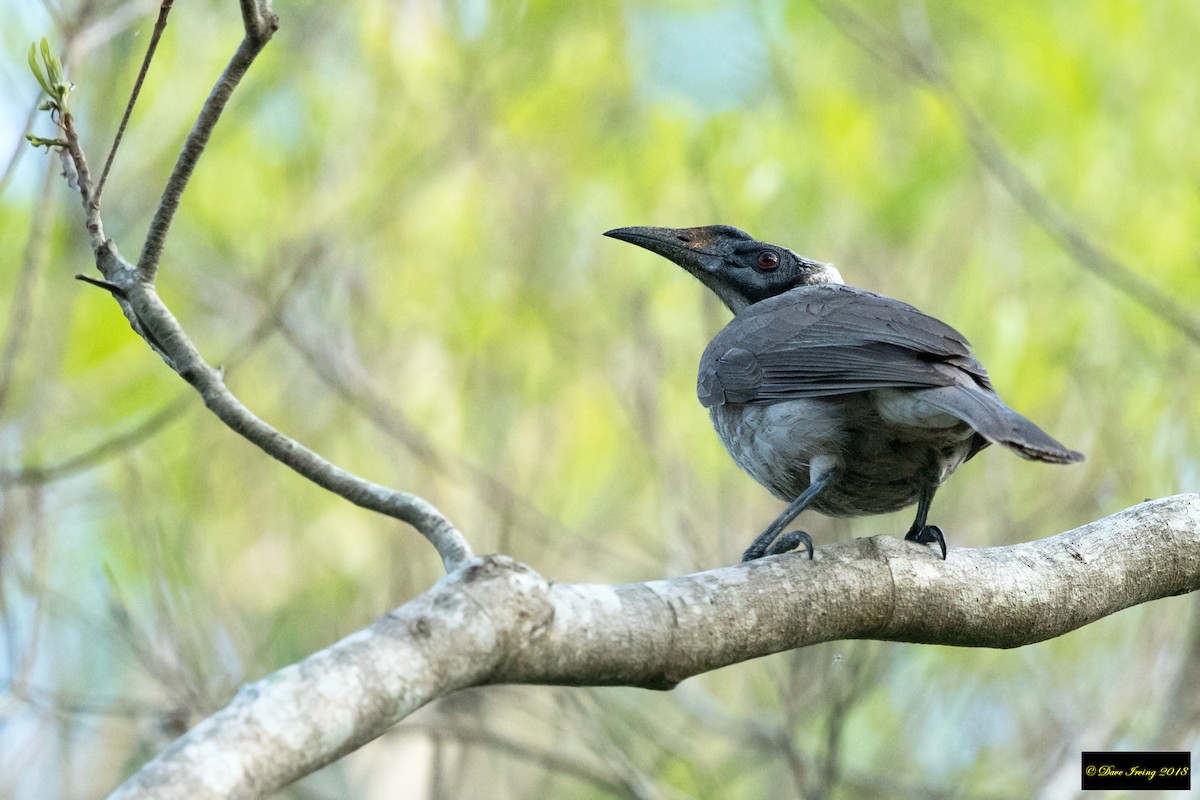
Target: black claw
929,534
765,543
753,553
789,542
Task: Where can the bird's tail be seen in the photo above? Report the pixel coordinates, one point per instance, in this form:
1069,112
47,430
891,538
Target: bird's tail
991,418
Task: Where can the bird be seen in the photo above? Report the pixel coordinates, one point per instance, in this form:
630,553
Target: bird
835,398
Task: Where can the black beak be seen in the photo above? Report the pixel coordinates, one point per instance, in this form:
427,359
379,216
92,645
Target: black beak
684,246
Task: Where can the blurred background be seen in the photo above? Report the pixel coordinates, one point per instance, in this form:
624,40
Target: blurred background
393,246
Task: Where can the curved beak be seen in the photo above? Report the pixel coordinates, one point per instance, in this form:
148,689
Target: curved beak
691,248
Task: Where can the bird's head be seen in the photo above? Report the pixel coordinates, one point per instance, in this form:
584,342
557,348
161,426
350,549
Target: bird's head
729,261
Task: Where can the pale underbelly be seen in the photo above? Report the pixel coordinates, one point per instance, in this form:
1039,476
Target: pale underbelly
881,464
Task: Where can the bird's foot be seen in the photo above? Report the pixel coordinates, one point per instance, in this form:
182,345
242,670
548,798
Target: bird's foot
791,541
784,544
928,534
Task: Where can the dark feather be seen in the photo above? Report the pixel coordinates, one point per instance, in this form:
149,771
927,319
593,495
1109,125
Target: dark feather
816,341
987,414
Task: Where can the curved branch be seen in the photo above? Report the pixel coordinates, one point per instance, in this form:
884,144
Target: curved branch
133,289
165,333
38,474
497,621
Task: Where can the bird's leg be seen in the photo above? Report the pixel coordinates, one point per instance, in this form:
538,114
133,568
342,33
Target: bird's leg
920,532
766,545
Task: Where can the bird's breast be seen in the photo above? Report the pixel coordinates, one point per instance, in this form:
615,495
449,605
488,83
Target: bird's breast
885,451
775,442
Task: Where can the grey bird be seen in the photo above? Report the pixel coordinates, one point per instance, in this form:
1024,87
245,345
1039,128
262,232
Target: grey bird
835,398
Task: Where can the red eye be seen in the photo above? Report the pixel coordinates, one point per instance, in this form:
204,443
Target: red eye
768,260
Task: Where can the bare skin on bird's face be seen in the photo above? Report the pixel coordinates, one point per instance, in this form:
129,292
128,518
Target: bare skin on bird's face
833,397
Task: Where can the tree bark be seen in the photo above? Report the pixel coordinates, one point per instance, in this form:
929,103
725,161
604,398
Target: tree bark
497,621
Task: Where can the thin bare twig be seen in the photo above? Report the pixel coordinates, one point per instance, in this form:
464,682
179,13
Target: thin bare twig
32,260
38,475
347,380
133,288
548,759
159,26
22,147
115,626
1182,714
61,704
95,225
83,34
161,326
916,55
260,24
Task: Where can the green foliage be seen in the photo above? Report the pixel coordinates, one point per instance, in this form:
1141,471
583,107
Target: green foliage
49,74
52,81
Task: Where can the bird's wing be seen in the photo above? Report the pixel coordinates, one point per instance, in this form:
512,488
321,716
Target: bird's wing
825,340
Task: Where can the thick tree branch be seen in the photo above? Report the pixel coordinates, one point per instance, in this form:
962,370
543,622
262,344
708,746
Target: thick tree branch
496,621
